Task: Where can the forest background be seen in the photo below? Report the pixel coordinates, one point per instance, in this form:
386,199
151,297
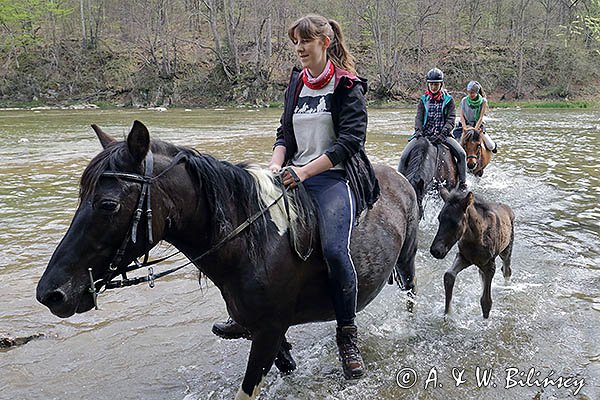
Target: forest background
236,52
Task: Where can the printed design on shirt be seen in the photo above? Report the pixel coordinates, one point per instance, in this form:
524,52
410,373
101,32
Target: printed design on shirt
314,105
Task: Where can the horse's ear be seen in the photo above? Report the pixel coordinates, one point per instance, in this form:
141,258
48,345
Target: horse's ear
105,138
470,199
444,193
138,141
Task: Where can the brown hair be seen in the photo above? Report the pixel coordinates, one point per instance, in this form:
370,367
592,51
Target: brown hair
315,26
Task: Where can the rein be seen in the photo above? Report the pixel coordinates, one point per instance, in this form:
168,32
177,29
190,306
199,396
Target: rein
145,198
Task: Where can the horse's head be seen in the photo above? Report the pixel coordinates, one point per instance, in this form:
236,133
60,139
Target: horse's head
471,142
103,234
453,221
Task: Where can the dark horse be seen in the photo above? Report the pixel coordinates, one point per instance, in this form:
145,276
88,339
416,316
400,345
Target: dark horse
483,231
196,201
428,165
478,156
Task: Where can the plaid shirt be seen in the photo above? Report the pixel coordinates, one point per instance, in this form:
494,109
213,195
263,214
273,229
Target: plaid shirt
435,118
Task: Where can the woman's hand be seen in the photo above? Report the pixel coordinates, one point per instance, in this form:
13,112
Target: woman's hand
288,178
274,168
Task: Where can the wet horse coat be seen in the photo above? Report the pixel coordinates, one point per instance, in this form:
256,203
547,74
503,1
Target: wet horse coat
483,231
194,204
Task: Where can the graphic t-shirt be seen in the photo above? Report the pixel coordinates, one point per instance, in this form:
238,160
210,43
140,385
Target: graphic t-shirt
313,125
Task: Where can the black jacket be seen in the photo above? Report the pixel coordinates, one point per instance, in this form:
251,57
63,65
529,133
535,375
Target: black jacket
349,114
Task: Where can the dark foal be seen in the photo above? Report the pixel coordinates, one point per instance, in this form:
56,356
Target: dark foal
483,231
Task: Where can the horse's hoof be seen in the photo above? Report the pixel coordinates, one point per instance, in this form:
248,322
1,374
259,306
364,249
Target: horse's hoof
284,361
411,300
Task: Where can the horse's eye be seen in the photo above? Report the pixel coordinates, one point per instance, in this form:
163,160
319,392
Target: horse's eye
110,206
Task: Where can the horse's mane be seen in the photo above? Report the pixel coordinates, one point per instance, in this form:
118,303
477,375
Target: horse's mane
458,195
225,184
414,169
110,158
471,135
233,193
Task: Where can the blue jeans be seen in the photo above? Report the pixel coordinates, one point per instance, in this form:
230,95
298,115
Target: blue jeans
335,204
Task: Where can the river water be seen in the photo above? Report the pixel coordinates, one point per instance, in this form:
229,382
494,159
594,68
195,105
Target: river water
156,343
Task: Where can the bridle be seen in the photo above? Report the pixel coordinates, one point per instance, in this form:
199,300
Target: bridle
144,206
476,156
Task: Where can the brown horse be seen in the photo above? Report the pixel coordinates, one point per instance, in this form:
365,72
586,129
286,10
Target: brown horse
478,156
483,231
228,220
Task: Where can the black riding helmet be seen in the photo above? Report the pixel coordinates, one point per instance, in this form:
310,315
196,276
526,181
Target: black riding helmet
435,75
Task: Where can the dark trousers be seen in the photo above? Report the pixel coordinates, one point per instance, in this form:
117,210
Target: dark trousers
336,208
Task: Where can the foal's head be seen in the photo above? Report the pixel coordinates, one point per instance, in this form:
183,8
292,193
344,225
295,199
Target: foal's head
452,219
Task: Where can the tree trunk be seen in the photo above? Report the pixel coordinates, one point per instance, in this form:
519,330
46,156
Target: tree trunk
228,7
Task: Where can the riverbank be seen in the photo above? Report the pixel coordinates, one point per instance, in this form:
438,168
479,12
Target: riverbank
376,104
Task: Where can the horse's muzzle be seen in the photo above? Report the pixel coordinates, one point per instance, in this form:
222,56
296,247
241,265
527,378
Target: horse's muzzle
438,251
56,301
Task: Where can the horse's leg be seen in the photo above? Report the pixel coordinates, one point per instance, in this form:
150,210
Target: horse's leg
506,256
266,343
284,360
450,277
487,274
405,265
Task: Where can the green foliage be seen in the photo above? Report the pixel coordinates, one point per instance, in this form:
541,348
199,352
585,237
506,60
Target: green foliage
592,21
135,54
22,19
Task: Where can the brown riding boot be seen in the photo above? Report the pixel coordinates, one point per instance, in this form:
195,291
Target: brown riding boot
352,362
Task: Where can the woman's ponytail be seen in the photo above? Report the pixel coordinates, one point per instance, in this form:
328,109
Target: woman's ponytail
337,51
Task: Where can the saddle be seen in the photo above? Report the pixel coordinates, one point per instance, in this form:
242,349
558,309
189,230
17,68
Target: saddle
304,229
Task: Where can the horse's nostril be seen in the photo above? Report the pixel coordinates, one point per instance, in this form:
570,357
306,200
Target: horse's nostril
54,298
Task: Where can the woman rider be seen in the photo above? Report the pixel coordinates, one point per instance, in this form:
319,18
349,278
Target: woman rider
472,109
321,138
435,120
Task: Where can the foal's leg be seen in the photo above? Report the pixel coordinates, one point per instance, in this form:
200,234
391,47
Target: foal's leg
487,274
506,256
450,277
265,346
